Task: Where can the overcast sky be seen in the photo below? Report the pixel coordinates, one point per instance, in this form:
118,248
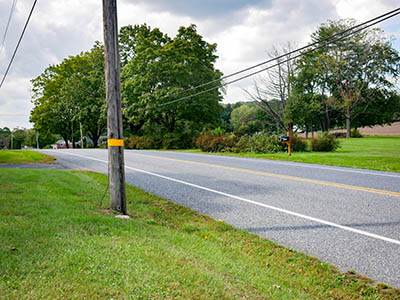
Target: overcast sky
243,30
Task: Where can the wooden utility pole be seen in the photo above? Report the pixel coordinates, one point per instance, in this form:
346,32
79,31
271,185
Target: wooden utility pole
114,115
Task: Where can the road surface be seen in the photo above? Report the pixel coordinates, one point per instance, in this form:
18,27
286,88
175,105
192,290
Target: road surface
347,217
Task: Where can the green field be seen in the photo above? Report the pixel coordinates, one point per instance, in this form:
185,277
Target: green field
23,156
56,243
373,152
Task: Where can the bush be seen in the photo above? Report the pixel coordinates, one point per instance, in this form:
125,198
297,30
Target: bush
221,143
263,143
355,133
218,131
298,144
142,142
325,142
243,145
177,141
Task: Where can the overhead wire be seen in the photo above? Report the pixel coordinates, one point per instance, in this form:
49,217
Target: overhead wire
19,42
326,41
8,24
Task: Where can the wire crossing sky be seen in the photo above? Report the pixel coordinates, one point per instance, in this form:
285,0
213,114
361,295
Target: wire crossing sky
8,24
322,43
19,42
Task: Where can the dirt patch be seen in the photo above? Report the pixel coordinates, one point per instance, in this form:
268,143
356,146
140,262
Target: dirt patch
378,130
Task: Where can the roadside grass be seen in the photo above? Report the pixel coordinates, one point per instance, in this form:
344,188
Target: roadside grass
24,156
56,243
370,152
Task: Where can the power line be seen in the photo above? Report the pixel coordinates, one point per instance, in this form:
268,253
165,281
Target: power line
8,24
326,41
19,42
279,57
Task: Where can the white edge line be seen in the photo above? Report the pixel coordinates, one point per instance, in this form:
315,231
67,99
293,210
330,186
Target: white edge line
317,220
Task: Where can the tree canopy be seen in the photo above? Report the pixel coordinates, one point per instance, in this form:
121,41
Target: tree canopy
157,67
351,77
71,94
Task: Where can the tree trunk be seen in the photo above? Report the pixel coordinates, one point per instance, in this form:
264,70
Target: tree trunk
306,132
66,142
348,123
94,137
312,130
72,135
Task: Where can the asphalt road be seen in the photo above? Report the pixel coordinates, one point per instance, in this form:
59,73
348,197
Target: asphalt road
347,217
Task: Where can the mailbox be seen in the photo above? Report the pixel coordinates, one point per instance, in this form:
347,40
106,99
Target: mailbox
284,139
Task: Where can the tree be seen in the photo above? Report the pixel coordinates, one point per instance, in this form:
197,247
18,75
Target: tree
384,109
353,67
44,140
4,134
273,92
18,136
71,94
51,113
158,67
85,89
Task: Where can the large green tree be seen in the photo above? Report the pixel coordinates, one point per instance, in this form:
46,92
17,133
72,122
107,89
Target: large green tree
351,75
70,95
156,67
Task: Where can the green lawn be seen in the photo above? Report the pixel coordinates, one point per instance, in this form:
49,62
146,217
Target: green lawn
374,153
56,243
23,156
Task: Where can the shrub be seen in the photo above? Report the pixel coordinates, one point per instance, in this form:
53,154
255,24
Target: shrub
325,142
243,145
142,142
298,144
177,141
355,133
259,143
218,131
263,143
221,143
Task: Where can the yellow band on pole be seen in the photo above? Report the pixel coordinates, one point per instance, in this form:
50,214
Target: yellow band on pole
115,142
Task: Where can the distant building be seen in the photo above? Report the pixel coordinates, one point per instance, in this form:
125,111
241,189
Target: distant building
60,144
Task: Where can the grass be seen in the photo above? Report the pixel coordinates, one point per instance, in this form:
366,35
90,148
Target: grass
56,243
22,156
372,152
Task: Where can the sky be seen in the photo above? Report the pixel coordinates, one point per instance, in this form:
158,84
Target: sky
244,31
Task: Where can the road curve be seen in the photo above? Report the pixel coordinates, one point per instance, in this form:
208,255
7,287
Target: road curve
347,217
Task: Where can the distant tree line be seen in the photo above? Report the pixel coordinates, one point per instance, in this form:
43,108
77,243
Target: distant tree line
20,137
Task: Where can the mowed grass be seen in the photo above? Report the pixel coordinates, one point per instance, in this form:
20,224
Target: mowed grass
372,152
56,243
24,156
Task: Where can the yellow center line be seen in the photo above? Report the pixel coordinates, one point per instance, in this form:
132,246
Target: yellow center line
287,177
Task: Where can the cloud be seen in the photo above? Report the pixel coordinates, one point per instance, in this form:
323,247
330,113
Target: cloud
200,9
